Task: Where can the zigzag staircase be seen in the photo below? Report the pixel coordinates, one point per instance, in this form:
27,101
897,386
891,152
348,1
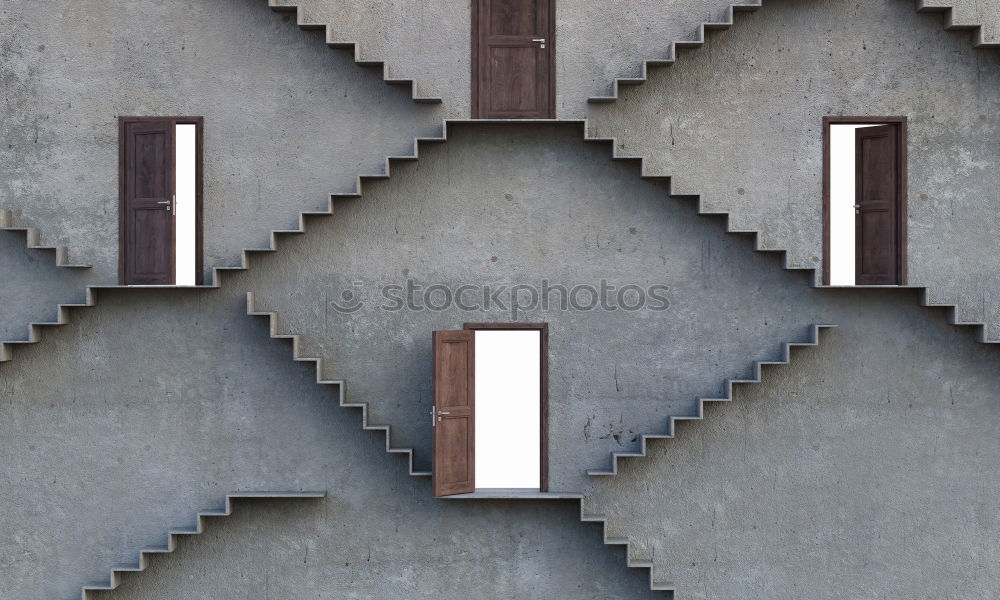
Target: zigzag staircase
671,57
92,291
116,574
295,339
957,17
953,309
331,41
672,424
273,319
33,237
638,563
63,310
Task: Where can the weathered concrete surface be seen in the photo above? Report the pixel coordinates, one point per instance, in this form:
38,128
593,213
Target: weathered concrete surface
981,15
532,550
550,207
739,122
430,42
287,120
156,403
31,286
870,468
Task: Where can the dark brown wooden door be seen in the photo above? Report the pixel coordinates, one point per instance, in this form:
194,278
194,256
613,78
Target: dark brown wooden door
454,412
148,224
514,59
877,206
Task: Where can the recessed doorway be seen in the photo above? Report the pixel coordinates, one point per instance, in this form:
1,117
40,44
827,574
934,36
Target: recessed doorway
160,188
864,201
490,413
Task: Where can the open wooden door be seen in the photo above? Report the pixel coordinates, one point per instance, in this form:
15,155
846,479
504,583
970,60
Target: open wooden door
147,203
454,412
877,206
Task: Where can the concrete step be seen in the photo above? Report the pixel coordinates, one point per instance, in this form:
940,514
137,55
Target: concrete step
115,578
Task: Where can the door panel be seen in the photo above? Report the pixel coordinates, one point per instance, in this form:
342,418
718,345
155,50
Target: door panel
877,202
148,218
514,17
454,412
149,252
513,71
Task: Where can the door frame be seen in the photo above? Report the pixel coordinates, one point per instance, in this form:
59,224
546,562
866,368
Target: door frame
900,124
199,123
543,329
550,42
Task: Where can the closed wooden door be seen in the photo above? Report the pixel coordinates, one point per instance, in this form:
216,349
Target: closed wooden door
514,59
877,206
148,220
454,412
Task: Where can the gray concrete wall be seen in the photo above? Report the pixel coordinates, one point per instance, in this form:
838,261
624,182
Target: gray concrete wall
867,469
157,403
739,122
287,120
430,42
550,207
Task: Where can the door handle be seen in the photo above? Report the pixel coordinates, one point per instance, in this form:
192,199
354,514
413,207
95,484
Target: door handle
170,204
540,41
434,415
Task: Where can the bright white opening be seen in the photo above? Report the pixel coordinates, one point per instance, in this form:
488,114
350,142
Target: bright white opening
185,264
508,409
842,187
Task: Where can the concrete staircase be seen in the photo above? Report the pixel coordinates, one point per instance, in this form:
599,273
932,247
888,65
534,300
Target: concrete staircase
964,15
959,15
341,385
333,42
172,536
671,56
254,308
672,423
33,237
606,523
